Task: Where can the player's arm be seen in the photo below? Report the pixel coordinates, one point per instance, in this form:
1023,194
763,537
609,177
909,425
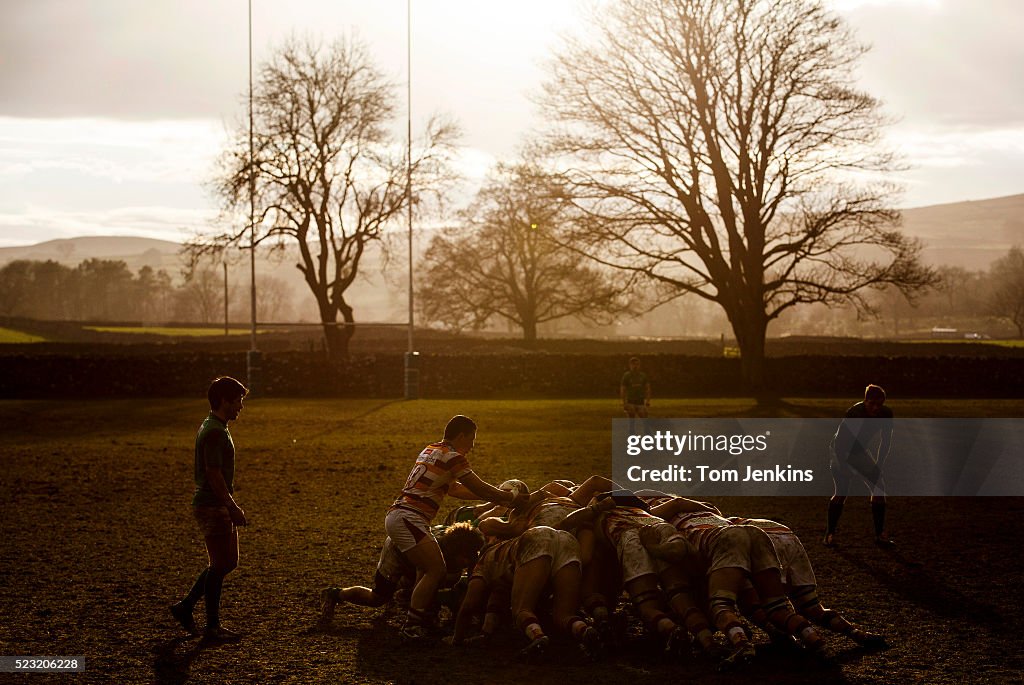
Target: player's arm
885,444
212,450
215,477
590,487
487,511
587,515
503,509
587,540
556,489
711,507
472,604
647,393
498,601
460,491
484,490
503,529
680,505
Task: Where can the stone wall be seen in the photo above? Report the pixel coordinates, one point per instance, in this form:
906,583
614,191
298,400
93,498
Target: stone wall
299,374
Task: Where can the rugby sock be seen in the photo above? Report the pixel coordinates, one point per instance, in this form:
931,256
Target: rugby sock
735,633
751,603
723,609
212,588
833,621
196,593
706,638
798,626
533,631
878,516
527,622
596,606
415,617
835,510
781,613
664,625
701,629
804,597
576,626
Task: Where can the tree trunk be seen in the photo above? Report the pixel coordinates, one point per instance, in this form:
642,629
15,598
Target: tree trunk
750,329
530,332
336,337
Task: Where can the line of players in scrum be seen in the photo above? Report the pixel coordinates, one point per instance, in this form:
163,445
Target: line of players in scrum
572,550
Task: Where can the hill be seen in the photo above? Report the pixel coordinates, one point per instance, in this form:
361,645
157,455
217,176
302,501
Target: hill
970,235
967,234
74,250
134,251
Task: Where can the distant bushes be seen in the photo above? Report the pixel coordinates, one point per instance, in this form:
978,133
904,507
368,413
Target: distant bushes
302,374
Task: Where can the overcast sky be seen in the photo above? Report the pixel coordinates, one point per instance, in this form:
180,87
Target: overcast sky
112,111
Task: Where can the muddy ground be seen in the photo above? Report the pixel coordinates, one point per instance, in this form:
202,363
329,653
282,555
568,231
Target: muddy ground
98,541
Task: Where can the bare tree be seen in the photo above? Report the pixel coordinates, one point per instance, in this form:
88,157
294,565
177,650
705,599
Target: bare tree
1007,275
273,304
201,296
505,262
328,172
718,148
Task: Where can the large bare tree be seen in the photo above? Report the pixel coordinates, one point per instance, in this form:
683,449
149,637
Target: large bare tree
505,261
719,148
329,172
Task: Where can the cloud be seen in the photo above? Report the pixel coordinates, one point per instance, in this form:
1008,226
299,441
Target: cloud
99,164
944,62
130,60
952,149
36,223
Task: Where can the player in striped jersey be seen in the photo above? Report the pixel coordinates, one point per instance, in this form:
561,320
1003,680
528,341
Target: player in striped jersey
685,594
801,586
547,507
525,568
732,553
644,545
441,467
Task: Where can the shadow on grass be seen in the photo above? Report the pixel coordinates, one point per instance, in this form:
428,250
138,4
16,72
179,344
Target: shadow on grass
172,664
912,580
381,656
770,407
338,425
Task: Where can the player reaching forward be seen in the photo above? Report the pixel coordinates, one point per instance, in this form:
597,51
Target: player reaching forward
439,467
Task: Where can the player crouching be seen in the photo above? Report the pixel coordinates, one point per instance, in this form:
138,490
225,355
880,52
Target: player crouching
541,561
460,543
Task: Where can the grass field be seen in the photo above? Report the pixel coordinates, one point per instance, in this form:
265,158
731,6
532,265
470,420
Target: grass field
997,343
168,331
9,335
98,540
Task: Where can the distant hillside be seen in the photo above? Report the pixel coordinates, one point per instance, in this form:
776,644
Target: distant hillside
74,250
371,295
967,234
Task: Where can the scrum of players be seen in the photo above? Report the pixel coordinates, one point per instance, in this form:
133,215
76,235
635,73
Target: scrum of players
563,558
